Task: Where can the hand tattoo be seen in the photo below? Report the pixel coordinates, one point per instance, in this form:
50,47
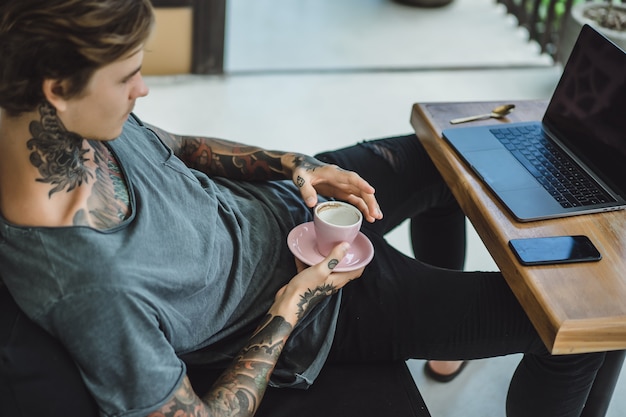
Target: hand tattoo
306,162
311,298
332,263
300,181
57,153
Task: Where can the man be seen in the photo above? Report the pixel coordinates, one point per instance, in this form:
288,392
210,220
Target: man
144,252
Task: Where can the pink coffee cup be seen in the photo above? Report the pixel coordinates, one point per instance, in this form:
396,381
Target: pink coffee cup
335,222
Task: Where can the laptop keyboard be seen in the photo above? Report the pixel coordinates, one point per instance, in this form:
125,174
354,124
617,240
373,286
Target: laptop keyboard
552,167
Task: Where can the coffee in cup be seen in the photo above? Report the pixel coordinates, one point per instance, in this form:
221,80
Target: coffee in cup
335,222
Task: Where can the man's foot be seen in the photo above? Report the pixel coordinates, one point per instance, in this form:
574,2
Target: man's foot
444,371
425,3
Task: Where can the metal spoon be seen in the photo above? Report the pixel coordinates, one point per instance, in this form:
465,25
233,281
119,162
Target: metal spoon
496,113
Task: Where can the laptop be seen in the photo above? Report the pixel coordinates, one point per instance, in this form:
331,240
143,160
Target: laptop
585,122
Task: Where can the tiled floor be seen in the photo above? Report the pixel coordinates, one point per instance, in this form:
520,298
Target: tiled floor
310,75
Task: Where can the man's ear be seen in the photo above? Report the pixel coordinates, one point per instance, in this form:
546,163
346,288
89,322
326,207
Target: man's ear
54,92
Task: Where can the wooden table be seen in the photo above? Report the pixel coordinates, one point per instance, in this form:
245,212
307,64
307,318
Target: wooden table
575,307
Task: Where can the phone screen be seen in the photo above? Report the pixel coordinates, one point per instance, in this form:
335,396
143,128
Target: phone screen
554,250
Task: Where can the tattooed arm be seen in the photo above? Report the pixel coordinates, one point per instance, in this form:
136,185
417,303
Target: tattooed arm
233,160
224,158
239,390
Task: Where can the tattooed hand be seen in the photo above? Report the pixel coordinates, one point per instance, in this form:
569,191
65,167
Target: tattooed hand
312,285
314,177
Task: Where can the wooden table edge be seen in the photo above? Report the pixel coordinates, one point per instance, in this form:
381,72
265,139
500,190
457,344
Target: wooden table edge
560,334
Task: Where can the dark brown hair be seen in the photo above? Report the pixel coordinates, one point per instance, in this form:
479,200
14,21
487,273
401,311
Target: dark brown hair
66,40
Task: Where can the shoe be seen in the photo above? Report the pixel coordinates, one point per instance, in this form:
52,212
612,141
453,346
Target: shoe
441,377
425,3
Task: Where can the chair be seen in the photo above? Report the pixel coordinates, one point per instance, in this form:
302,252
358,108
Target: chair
33,364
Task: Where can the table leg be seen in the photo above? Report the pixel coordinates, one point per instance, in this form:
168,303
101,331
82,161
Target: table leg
604,385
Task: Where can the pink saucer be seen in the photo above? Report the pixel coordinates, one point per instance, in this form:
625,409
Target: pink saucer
301,241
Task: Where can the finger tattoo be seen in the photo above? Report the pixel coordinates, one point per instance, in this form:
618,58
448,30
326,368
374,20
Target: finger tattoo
300,181
332,263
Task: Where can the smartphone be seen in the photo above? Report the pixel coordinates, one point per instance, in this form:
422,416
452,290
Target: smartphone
554,250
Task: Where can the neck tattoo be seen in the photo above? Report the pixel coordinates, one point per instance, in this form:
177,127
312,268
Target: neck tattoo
56,152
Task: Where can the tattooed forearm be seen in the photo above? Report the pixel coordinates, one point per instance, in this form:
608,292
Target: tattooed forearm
225,158
239,389
184,403
57,153
245,382
228,160
257,165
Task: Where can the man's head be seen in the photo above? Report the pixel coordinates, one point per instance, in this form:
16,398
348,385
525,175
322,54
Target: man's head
64,40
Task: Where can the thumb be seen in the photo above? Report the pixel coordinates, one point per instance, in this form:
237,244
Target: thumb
336,255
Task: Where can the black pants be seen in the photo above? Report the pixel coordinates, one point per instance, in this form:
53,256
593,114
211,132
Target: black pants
428,308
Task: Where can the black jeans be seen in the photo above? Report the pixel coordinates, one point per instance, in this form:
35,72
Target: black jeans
405,308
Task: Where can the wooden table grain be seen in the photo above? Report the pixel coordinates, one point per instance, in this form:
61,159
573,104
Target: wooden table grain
574,307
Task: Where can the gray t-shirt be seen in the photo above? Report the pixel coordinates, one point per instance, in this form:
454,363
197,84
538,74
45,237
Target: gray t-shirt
188,275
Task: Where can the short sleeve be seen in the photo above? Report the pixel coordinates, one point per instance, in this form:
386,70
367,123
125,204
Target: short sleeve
123,355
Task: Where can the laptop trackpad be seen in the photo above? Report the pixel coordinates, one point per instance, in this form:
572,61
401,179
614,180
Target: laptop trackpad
500,169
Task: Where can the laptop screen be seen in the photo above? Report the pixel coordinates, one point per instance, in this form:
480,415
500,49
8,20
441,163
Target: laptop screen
587,111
